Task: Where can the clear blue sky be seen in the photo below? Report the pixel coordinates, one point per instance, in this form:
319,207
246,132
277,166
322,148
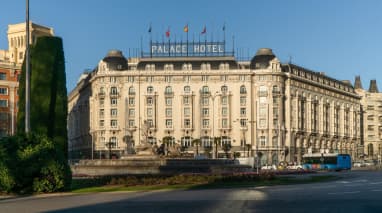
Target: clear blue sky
342,38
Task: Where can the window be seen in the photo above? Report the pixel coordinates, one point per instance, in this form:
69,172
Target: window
243,90
205,101
131,112
206,123
224,89
187,112
101,101
243,100
149,112
113,123
243,111
113,101
262,141
101,123
205,111
168,112
243,122
224,111
131,101
149,101
101,113
224,100
186,100
3,91
150,123
131,123
3,76
3,103
150,89
113,112
224,123
168,90
205,89
113,91
3,116
131,91
187,89
112,142
187,123
168,123
186,141
168,101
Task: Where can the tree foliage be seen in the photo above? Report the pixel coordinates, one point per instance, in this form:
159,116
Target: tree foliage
32,163
48,99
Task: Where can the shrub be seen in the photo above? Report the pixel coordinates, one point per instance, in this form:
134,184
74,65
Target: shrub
32,163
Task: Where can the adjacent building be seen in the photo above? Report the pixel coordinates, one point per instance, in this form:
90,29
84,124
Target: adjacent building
371,105
10,69
185,97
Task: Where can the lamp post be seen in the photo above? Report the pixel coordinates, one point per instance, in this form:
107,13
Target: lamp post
27,73
213,122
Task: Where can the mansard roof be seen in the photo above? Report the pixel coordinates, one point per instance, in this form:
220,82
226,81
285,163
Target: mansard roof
196,62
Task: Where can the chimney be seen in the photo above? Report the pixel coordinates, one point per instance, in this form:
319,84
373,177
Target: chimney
357,82
373,86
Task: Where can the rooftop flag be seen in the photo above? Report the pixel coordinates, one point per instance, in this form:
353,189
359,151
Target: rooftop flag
168,33
185,28
204,30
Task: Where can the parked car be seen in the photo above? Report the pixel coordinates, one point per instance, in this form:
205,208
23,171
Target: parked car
294,167
269,167
359,164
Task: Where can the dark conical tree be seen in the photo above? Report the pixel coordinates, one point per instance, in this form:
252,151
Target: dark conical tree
48,92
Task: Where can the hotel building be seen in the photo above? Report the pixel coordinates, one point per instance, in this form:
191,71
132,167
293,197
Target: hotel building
278,110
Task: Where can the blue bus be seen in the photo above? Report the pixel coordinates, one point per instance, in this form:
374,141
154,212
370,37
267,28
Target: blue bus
328,161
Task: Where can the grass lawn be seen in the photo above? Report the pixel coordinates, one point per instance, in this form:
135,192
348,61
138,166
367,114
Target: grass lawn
219,184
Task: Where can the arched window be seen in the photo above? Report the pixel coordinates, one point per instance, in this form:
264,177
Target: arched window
150,89
275,89
243,90
168,90
187,89
224,89
131,91
205,89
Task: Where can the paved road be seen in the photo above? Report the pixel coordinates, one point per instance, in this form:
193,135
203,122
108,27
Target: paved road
357,191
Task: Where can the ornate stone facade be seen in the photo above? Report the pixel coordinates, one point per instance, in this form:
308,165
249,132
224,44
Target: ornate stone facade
279,111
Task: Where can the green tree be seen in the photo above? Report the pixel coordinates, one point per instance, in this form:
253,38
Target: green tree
48,100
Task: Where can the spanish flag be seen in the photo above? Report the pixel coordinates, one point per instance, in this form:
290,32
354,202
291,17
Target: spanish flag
185,28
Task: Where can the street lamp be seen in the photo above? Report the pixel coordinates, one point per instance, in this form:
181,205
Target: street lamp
213,121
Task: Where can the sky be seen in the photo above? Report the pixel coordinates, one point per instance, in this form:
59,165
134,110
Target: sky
342,38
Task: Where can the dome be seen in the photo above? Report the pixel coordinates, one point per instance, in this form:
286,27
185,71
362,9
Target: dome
115,60
262,58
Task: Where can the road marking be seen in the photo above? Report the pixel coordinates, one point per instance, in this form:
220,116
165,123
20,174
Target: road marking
338,193
342,181
377,190
352,184
376,183
362,181
323,187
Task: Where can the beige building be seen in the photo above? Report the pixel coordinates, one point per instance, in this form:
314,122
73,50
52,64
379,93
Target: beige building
10,70
277,110
17,40
371,104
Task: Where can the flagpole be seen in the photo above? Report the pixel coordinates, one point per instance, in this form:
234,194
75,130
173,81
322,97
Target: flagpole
27,73
187,40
